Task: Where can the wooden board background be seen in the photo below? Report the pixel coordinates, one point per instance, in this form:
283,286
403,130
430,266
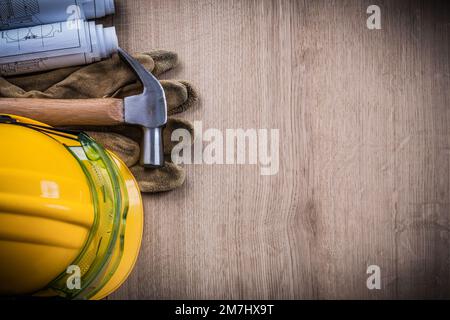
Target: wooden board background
364,177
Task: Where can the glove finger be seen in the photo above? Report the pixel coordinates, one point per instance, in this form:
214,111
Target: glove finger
167,178
164,61
126,149
180,95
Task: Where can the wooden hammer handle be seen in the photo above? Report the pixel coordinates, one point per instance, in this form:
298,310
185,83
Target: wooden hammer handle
65,112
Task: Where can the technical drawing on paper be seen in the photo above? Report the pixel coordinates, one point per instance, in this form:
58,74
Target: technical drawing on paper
13,12
31,33
55,39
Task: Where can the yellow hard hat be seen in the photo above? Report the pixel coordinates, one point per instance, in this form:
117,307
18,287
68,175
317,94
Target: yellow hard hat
71,214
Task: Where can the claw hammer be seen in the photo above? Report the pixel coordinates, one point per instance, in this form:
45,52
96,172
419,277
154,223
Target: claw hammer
148,109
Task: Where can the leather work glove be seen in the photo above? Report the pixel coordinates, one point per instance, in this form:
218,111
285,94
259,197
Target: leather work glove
112,78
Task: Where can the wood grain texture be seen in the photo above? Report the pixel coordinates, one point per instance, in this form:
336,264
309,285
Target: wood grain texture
66,112
364,177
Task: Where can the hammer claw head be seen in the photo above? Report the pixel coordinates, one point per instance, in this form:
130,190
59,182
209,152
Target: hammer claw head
148,109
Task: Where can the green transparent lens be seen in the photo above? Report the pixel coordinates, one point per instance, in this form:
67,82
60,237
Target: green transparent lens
104,248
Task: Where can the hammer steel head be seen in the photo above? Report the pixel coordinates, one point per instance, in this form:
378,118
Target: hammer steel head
148,110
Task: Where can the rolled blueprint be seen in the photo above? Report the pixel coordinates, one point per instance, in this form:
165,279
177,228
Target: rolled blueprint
26,13
55,45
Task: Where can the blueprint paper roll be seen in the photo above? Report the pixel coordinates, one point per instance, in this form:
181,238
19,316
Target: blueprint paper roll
26,13
56,45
